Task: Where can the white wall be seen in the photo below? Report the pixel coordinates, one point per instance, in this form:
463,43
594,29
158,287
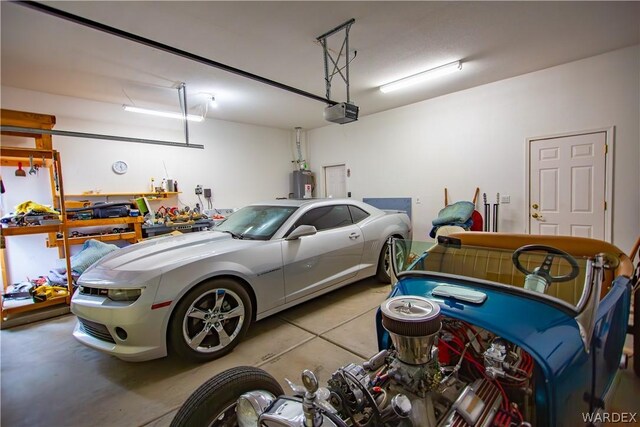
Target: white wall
463,140
476,138
240,163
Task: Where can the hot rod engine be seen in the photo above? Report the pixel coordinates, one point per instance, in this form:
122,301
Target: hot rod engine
441,372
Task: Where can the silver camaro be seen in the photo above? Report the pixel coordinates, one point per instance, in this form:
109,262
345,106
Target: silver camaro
195,295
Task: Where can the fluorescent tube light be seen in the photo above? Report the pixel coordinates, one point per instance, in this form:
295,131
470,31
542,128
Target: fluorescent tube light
420,77
169,114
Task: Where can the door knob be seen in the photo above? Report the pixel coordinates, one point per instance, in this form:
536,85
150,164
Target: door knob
536,215
534,206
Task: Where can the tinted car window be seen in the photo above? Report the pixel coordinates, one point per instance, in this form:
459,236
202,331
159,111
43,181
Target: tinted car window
326,217
357,214
256,222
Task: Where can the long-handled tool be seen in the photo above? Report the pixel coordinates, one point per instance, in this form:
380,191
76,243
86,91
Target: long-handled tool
20,171
487,212
55,177
495,212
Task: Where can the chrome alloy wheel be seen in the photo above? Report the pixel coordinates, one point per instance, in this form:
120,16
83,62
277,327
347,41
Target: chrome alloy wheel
399,257
213,320
227,417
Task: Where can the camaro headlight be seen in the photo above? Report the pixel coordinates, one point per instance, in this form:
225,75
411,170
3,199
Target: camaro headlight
251,405
124,294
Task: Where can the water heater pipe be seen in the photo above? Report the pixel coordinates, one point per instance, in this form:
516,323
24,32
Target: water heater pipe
299,161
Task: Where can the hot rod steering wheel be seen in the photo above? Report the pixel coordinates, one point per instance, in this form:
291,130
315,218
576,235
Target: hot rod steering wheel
544,271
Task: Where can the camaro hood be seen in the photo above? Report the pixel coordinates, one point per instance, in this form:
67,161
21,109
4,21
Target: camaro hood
159,253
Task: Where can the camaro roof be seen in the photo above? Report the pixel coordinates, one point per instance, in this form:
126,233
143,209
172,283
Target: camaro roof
303,202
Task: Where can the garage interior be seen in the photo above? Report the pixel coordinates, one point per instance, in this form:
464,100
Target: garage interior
525,73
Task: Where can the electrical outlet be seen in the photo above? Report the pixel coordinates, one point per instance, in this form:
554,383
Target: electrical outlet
198,189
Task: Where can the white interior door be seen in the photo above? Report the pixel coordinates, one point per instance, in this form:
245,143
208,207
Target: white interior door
567,185
335,183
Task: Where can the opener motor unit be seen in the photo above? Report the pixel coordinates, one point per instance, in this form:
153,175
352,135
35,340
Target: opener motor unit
342,113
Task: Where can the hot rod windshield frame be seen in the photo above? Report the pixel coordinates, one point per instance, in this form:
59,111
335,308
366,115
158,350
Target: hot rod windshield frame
473,266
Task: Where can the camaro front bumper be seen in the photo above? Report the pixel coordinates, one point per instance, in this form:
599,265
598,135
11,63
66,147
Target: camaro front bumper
132,331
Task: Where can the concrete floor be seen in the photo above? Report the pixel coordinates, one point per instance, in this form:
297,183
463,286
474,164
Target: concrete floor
47,378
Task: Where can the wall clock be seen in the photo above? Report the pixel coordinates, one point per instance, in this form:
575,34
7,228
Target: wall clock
120,167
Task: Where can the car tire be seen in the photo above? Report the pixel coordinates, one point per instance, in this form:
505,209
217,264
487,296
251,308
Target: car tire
210,320
384,264
213,403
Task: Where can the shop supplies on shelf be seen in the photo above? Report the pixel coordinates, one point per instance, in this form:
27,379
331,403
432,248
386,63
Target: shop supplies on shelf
45,292
31,213
39,290
18,291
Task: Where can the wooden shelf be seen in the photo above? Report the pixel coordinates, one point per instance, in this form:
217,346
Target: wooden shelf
34,229
162,195
23,306
129,236
10,156
23,153
134,235
104,221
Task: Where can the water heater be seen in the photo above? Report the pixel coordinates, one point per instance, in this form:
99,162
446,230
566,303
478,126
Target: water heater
300,179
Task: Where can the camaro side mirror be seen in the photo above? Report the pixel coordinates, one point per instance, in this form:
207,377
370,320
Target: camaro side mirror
301,231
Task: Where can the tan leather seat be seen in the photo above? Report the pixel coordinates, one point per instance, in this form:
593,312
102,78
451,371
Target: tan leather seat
488,256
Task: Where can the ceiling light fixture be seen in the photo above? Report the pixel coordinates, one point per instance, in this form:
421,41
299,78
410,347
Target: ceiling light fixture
421,77
190,117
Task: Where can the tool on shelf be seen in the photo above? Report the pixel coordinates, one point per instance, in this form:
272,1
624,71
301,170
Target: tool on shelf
20,171
45,292
55,178
32,170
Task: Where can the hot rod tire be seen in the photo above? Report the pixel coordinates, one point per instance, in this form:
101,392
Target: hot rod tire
213,403
209,321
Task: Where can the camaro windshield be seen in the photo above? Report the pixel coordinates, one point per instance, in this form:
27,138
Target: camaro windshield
524,268
256,222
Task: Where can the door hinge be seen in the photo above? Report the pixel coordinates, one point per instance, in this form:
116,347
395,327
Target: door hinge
605,206
606,149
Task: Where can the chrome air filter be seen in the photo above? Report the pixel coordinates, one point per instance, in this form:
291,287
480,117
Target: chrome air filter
413,323
411,316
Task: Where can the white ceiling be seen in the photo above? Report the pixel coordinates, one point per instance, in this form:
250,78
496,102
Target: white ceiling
276,40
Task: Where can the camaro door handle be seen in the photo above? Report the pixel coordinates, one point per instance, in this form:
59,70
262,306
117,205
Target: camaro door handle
354,236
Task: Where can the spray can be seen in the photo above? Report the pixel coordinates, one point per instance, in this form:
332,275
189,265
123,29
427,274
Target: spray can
153,188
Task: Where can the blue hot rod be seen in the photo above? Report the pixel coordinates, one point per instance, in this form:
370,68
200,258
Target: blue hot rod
480,329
